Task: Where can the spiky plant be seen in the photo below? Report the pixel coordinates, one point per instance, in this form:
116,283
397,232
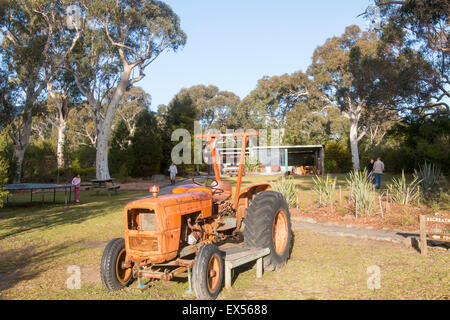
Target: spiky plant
403,192
251,164
429,175
361,191
286,187
325,189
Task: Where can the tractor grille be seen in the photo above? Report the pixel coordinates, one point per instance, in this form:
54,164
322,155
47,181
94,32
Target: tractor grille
144,243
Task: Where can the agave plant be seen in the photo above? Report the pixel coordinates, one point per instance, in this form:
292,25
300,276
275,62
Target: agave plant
286,187
429,175
361,191
403,192
325,188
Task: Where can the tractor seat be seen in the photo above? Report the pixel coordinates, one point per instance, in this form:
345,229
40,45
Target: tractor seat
222,191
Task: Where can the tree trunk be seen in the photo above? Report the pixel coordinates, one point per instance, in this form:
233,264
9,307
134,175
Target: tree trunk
21,139
354,142
104,128
61,140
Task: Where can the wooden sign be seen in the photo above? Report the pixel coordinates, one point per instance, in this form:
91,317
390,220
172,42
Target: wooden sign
439,235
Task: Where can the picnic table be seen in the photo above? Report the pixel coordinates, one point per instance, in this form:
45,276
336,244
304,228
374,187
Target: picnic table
103,184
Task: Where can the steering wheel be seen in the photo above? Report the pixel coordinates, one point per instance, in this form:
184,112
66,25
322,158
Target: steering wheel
205,181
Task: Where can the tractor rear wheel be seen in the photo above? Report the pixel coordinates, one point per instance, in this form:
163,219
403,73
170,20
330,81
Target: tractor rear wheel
207,273
268,225
114,276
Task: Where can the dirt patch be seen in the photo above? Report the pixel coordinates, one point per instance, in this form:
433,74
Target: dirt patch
396,217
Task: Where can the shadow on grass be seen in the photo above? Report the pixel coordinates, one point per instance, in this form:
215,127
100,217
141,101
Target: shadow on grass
20,220
27,263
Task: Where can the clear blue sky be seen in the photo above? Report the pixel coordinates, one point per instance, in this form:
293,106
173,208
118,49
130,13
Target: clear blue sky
232,44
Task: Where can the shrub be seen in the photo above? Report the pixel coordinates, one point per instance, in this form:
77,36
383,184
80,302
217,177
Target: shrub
3,180
325,189
251,164
403,192
429,176
337,158
361,191
286,187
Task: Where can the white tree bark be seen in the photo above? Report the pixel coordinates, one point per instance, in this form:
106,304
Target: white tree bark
354,115
105,124
354,143
61,140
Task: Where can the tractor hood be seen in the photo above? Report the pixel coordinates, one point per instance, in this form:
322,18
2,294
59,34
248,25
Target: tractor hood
180,195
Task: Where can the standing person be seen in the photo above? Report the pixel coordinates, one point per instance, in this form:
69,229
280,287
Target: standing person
173,172
370,170
76,181
378,168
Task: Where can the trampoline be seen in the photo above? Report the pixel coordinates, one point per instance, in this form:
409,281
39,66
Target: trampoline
38,186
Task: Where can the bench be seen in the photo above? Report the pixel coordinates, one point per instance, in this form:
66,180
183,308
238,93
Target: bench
239,256
231,171
114,187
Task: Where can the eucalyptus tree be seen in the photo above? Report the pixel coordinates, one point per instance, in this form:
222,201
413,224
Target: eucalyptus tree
213,105
275,96
345,71
32,52
119,40
134,101
63,95
415,40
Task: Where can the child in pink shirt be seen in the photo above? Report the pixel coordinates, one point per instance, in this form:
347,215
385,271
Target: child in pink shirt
76,181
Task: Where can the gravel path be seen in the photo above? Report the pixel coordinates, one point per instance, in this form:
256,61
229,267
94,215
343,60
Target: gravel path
409,239
353,231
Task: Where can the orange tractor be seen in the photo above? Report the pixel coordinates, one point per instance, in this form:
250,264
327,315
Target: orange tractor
179,234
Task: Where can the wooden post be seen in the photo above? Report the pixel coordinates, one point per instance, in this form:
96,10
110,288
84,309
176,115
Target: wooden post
259,267
340,195
320,196
423,235
381,205
227,275
387,201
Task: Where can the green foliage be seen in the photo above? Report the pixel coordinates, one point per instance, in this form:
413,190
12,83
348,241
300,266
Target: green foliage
7,156
181,113
120,149
286,187
251,164
124,173
429,175
66,174
146,148
325,189
83,157
3,180
338,158
403,192
361,191
39,162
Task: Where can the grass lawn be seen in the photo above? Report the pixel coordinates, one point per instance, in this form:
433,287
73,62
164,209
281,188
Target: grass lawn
38,244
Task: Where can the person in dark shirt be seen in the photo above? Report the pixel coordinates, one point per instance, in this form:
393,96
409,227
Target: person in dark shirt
370,170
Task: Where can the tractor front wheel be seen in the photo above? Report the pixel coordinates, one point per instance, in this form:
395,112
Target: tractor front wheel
114,275
268,225
207,273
